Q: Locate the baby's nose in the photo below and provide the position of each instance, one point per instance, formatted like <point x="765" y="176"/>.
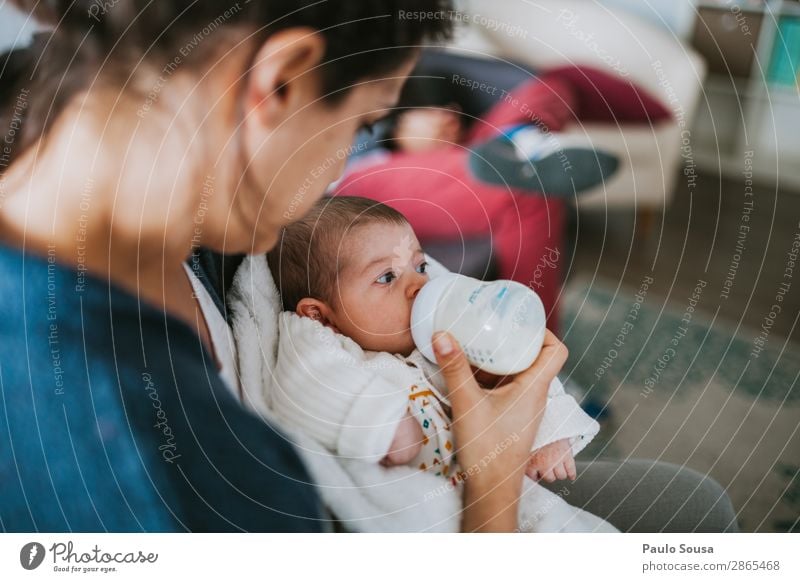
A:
<point x="418" y="283"/>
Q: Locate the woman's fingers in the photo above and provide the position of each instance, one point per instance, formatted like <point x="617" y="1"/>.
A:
<point x="454" y="368"/>
<point x="547" y="366"/>
<point x="560" y="471"/>
<point x="553" y="355"/>
<point x="556" y="352"/>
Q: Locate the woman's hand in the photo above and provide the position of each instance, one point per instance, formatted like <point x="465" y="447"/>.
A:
<point x="494" y="430"/>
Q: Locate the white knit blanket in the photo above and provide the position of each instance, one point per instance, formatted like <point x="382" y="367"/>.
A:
<point x="364" y="495"/>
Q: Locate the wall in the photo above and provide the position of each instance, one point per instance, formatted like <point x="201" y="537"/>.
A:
<point x="14" y="27"/>
<point x="676" y="15"/>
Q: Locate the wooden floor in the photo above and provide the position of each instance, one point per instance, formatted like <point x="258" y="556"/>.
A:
<point x="699" y="237"/>
<point x="737" y="429"/>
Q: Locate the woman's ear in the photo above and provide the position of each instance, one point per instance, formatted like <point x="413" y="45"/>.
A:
<point x="283" y="79"/>
<point x="316" y="310"/>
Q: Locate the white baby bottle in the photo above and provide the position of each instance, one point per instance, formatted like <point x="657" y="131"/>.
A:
<point x="500" y="325"/>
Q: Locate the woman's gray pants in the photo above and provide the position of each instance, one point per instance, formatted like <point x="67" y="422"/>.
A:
<point x="649" y="496"/>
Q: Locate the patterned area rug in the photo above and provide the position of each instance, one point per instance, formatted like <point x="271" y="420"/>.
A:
<point x="673" y="384"/>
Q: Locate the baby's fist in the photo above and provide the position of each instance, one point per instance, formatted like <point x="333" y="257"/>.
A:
<point x="552" y="462"/>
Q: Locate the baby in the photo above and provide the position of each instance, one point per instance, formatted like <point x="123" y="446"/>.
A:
<point x="518" y="153"/>
<point x="348" y="370"/>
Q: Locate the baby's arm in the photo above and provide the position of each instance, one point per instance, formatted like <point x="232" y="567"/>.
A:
<point x="407" y="442"/>
<point x="564" y="419"/>
<point x="564" y="431"/>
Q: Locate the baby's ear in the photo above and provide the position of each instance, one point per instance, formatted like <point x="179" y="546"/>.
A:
<point x="314" y="309"/>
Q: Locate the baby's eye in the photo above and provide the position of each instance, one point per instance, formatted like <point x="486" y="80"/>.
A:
<point x="423" y="267"/>
<point x="386" y="278"/>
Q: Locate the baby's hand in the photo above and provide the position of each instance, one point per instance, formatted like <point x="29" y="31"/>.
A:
<point x="407" y="442"/>
<point x="552" y="462"/>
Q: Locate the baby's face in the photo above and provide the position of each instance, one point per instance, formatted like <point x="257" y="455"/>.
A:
<point x="384" y="270"/>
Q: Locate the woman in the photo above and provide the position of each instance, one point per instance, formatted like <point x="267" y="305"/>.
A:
<point x="135" y="133"/>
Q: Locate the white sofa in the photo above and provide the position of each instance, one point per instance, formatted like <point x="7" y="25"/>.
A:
<point x="548" y="33"/>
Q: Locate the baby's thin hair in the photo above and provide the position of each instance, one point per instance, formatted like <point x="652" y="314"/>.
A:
<point x="306" y="261"/>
